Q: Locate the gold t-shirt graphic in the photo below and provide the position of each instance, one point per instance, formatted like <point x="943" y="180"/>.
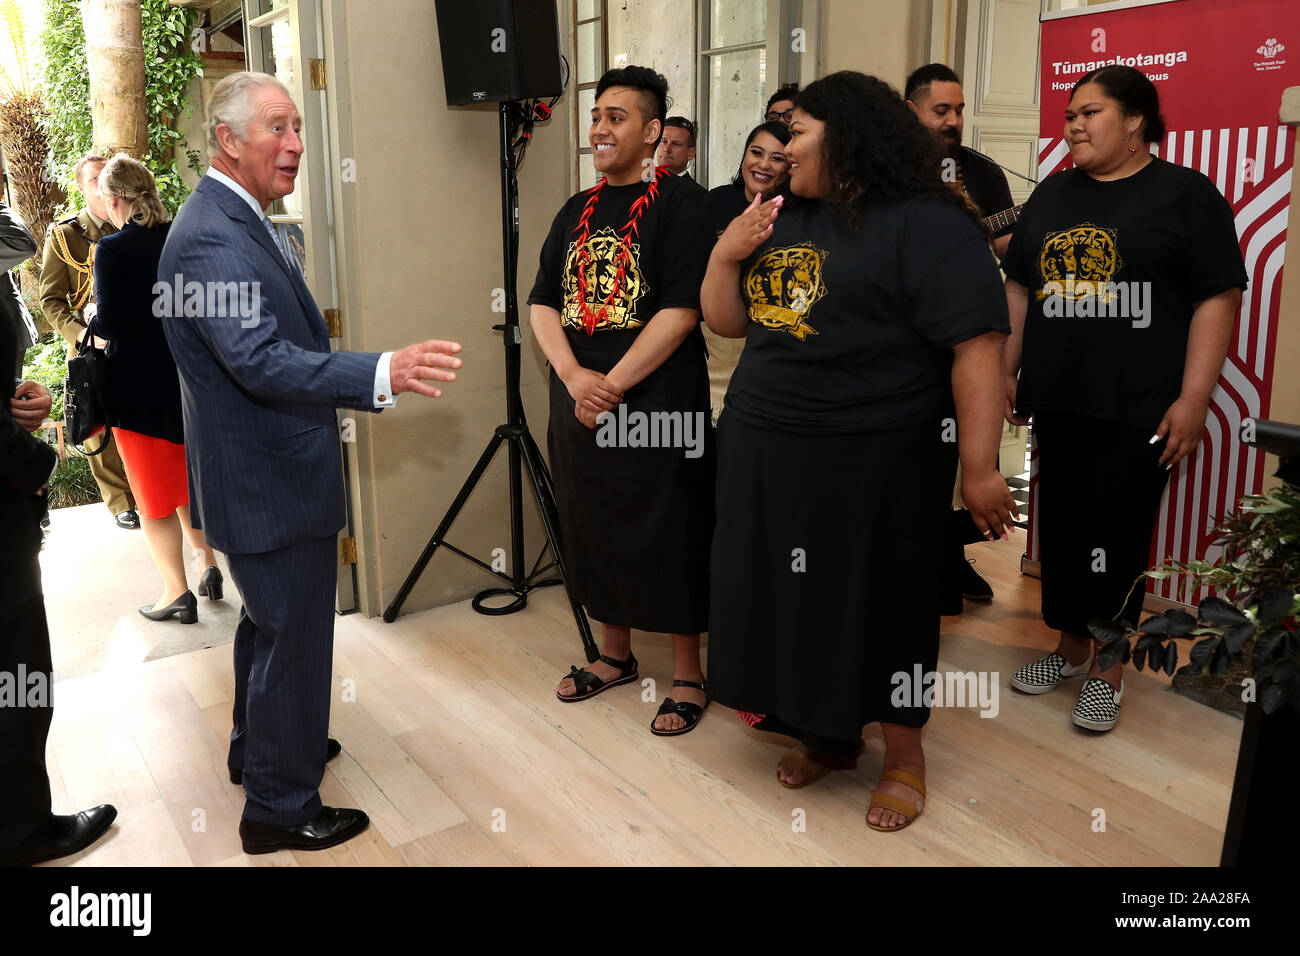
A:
<point x="783" y="285"/>
<point x="602" y="272"/>
<point x="1082" y="261"/>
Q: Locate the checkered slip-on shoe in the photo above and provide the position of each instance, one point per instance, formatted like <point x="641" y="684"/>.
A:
<point x="1098" y="706"/>
<point x="1048" y="673"/>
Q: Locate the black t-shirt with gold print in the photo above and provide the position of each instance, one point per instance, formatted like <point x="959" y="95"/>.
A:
<point x="670" y="253"/>
<point x="1114" y="271"/>
<point x="852" y="330"/>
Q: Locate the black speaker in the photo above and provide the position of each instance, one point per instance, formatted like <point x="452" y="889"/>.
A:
<point x="499" y="50"/>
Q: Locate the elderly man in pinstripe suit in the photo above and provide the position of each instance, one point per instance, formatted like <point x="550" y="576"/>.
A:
<point x="259" y="387"/>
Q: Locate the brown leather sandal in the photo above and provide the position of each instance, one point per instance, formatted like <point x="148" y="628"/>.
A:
<point x="812" y="767"/>
<point x="886" y="801"/>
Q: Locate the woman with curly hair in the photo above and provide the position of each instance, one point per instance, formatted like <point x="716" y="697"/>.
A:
<point x="873" y="318"/>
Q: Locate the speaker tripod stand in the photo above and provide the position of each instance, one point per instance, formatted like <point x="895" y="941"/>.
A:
<point x="523" y="453"/>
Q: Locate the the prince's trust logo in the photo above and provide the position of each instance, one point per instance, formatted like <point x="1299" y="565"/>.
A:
<point x="1078" y="266"/>
<point x="1271" y="51"/>
<point x="783" y="285"/>
<point x="1271" y="48"/>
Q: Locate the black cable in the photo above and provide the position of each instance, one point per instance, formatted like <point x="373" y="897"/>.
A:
<point x="1000" y="166"/>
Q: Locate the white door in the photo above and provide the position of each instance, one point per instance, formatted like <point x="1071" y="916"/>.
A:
<point x="283" y="37"/>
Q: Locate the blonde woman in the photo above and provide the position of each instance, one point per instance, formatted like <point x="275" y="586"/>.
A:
<point x="143" y="393"/>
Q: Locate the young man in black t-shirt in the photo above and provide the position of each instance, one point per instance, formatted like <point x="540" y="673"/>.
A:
<point x="934" y="93"/>
<point x="616" y="310"/>
<point x="935" y="96"/>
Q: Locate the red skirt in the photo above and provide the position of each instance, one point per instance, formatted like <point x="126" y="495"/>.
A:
<point x="155" y="469"/>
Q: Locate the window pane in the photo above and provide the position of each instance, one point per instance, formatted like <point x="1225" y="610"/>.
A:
<point x="616" y="18"/>
<point x="588" y="9"/>
<point x="586" y="172"/>
<point x="586" y="103"/>
<point x="737" y="85"/>
<point x="736" y="21"/>
<point x="278" y="44"/>
<point x="590" y="55"/>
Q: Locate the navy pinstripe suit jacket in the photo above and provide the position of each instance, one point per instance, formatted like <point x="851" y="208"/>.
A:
<point x="259" y="384"/>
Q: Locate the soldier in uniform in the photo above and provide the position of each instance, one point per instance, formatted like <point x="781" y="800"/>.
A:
<point x="67" y="287"/>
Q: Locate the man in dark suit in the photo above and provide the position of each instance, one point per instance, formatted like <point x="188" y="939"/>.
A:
<point x="259" y="389"/>
<point x="29" y="832"/>
<point x="677" y="147"/>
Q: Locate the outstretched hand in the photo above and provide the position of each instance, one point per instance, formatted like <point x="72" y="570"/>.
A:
<point x="749" y="230"/>
<point x="412" y="368"/>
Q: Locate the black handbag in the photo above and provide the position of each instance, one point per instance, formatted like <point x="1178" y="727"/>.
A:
<point x="84" y="412"/>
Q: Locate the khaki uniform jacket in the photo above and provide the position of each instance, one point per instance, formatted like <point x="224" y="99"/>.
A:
<point x="61" y="281"/>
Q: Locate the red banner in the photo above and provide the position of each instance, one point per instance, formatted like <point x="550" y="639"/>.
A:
<point x="1220" y="69"/>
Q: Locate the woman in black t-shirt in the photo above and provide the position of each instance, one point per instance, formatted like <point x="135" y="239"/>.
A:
<point x="825" y="583"/>
<point x="1123" y="279"/>
<point x="764" y="171"/>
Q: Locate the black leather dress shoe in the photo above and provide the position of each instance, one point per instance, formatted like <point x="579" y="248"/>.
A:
<point x="67" y="835"/>
<point x="332" y="749"/>
<point x="128" y="519"/>
<point x="331" y="827"/>
<point x="974" y="587"/>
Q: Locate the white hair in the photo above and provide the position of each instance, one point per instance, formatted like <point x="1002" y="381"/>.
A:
<point x="232" y="104"/>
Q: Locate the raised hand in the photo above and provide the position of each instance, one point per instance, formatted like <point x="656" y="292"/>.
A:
<point x="749" y="230"/>
<point x="412" y="368"/>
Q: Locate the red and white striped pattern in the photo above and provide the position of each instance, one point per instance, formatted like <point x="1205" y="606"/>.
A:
<point x="1252" y="168"/>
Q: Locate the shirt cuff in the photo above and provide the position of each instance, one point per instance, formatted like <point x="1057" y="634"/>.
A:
<point x="383" y="395"/>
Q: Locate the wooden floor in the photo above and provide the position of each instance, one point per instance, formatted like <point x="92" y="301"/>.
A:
<point x="454" y="744"/>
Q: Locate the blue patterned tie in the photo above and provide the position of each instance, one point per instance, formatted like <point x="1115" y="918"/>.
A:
<point x="290" y="261"/>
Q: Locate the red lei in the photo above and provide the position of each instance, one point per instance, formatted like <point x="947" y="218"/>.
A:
<point x="591" y="319"/>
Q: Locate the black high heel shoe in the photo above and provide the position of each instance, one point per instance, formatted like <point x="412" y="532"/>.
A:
<point x="210" y="584"/>
<point x="187" y="606"/>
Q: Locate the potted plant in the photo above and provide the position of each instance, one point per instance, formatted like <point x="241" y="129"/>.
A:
<point x="1259" y="572"/>
<point x="1258" y="576"/>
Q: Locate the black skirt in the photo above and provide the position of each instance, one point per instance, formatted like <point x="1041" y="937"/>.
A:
<point x="826" y="575"/>
<point x="636" y="520"/>
<point x="1100" y="484"/>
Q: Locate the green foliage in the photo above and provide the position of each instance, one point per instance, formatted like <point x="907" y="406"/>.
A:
<point x="73" y="484"/>
<point x="1259" y="571"/>
<point x="170" y="63"/>
<point x="66" y="83"/>
<point x="47" y="363"/>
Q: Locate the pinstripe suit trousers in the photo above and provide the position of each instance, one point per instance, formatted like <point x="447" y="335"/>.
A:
<point x="284" y="652"/>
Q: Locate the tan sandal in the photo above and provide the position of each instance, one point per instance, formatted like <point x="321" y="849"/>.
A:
<point x="886" y="801"/>
<point x="810" y="769"/>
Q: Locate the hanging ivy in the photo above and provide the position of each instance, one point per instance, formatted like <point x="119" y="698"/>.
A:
<point x="170" y="63"/>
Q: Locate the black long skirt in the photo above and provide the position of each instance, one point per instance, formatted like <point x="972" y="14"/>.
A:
<point x="1099" y="490"/>
<point x="826" y="576"/>
<point x="636" y="521"/>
